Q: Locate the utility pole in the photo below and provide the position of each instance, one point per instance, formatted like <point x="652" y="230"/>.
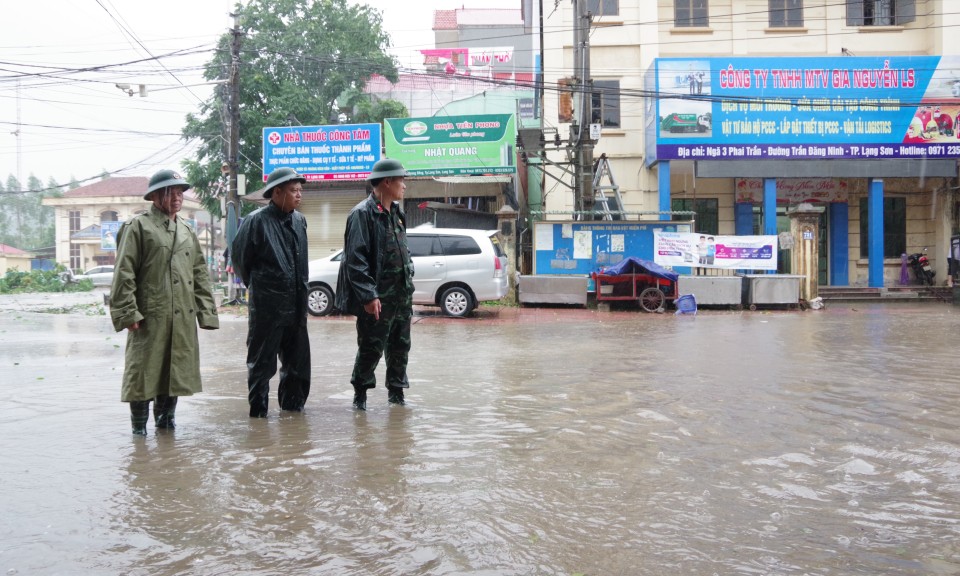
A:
<point x="233" y="144"/>
<point x="232" y="200"/>
<point x="580" y="130"/>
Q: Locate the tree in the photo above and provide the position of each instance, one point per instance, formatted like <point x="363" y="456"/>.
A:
<point x="296" y="58"/>
<point x="364" y="109"/>
<point x="4" y="215"/>
<point x="13" y="207"/>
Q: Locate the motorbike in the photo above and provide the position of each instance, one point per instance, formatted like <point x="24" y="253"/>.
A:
<point x="920" y="265"/>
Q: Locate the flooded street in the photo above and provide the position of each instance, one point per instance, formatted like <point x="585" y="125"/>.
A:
<point x="535" y="442"/>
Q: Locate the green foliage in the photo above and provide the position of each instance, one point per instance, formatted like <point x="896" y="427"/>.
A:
<point x="25" y="222"/>
<point x="296" y="58"/>
<point x="17" y="282"/>
<point x="376" y="111"/>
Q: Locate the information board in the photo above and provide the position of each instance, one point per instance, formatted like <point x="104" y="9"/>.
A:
<point x="581" y="248"/>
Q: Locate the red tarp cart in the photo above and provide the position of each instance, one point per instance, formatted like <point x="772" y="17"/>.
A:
<point x="642" y="281"/>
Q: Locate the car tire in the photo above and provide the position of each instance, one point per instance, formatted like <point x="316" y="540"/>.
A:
<point x="456" y="302"/>
<point x="319" y="301"/>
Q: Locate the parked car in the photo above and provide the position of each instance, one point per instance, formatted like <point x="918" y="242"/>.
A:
<point x="455" y="269"/>
<point x="323" y="283"/>
<point x="99" y="275"/>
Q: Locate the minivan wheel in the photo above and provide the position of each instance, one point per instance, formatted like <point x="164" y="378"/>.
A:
<point x="319" y="301"/>
<point x="456" y="302"/>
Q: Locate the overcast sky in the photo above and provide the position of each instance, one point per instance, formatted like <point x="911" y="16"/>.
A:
<point x="79" y="125"/>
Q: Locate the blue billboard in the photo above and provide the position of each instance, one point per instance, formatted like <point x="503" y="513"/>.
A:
<point x="803" y="108"/>
<point x="336" y="152"/>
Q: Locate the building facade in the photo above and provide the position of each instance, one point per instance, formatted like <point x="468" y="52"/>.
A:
<point x="86" y="216"/>
<point x="915" y="198"/>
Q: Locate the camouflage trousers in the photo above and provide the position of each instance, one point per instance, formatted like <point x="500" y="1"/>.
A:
<point x="389" y="336"/>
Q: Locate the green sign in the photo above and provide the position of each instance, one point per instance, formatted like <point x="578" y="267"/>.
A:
<point x="453" y="145"/>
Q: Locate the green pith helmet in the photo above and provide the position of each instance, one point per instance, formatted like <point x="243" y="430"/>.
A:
<point x="278" y="177"/>
<point x="165" y="178"/>
<point x="386" y="168"/>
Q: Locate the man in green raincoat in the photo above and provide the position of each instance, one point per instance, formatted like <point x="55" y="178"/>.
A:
<point x="161" y="291"/>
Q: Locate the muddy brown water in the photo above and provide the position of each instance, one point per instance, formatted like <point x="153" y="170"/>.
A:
<point x="552" y="442"/>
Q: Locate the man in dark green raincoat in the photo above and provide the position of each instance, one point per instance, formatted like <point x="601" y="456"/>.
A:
<point x="376" y="283"/>
<point x="160" y="292"/>
<point x="270" y="256"/>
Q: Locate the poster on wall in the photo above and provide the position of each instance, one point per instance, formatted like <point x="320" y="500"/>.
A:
<point x="453" y="145"/>
<point x="108" y="235"/>
<point x="806" y="107"/>
<point x="713" y="251"/>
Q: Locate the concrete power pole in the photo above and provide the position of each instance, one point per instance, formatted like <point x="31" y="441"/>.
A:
<point x="580" y="130"/>
<point x="233" y="144"/>
<point x="232" y="200"/>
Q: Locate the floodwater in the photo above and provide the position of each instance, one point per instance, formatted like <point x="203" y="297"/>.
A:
<point x="538" y="442"/>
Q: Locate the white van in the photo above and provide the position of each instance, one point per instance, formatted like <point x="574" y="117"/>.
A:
<point x="455" y="269"/>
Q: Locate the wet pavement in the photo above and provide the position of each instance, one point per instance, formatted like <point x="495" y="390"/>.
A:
<point x="536" y="441"/>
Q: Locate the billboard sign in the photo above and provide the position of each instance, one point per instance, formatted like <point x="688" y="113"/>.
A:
<point x="335" y="152"/>
<point x="453" y="145"/>
<point x="806" y="108"/>
<point x="712" y="251"/>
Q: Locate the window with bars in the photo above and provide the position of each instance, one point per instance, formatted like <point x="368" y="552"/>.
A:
<point x="786" y="13"/>
<point x="881" y="12"/>
<point x="74" y="226"/>
<point x="707" y="212"/>
<point x="894" y="227"/>
<point x="605" y="103"/>
<point x="690" y="13"/>
<point x="604" y="7"/>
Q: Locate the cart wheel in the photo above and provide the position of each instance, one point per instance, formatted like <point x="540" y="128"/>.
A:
<point x="753" y="307"/>
<point x="652" y="299"/>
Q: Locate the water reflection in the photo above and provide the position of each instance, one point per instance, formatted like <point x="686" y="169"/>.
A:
<point x="786" y="443"/>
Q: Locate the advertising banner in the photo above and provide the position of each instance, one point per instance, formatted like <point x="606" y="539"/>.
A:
<point x="800" y="108"/>
<point x="453" y="145"/>
<point x="712" y="251"/>
<point x="335" y="152"/>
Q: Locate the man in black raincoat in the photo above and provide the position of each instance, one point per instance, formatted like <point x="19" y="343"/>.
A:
<point x="270" y="255"/>
<point x="376" y="283"/>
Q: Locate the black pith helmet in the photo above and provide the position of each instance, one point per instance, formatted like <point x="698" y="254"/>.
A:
<point x="162" y="179"/>
<point x="278" y="177"/>
<point x="386" y="168"/>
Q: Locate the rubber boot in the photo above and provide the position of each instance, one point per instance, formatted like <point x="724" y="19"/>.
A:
<point x="139" y="414"/>
<point x="164" y="410"/>
<point x="360" y="398"/>
<point x="395" y="395"/>
<point x="259" y="398"/>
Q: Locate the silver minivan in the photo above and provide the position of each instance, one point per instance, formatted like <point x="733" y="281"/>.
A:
<point x="455" y="269"/>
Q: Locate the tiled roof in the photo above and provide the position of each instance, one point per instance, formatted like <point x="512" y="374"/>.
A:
<point x="11" y="251"/>
<point x="444" y="19"/>
<point x="114" y="186"/>
<point x="117" y="186"/>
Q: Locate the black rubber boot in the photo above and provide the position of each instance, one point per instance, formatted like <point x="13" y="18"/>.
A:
<point x="164" y="410"/>
<point x="259" y="398"/>
<point x="395" y="396"/>
<point x="139" y="414"/>
<point x="360" y="398"/>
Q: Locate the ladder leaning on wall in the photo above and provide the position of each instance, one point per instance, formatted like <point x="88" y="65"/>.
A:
<point x="609" y="207"/>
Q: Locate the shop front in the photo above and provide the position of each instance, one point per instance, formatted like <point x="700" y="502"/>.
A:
<point x="871" y="141"/>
